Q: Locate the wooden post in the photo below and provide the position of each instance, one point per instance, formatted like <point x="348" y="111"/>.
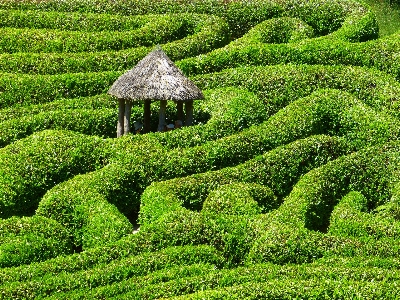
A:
<point x="146" y="116"/>
<point x="121" y="112"/>
<point x="127" y="117"/>
<point x="189" y="113"/>
<point x="179" y="109"/>
<point x="161" y="121"/>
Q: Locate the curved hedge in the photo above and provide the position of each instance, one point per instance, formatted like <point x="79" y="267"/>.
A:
<point x="26" y="240"/>
<point x="286" y="185"/>
<point x="29" y="167"/>
<point x="77" y="21"/>
<point x="126" y="268"/>
<point x="350" y="218"/>
<point x="158" y="30"/>
<point x="194" y="34"/>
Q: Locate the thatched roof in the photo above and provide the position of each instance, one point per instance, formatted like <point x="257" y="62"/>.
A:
<point x="155" y="77"/>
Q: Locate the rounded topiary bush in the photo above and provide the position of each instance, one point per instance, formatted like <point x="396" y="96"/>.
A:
<point x="240" y="199"/>
<point x="282" y="244"/>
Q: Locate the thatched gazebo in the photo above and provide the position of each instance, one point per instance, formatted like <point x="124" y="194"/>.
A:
<point x="155" y="77"/>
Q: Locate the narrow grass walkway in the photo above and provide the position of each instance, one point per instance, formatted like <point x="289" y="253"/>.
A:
<point x="388" y="15"/>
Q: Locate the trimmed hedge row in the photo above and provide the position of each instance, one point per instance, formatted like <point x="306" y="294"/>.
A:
<point x="159" y="30"/>
<point x="102" y="101"/>
<point x="77" y="21"/>
<point x="26" y="240"/>
<point x="380" y="54"/>
<point x="326" y="111"/>
<point x="151" y="287"/>
<point x="207" y="33"/>
<point x="29" y="167"/>
<point x="98" y="122"/>
<point x="281" y="84"/>
<point x="118" y="288"/>
<point x="316" y="288"/>
<point x="276" y="31"/>
<point x="217" y="279"/>
<point x="135" y="172"/>
<point x="240" y="199"/>
<point x="130" y="245"/>
<point x="369" y="171"/>
<point x="267" y="273"/>
<point x="118" y="270"/>
<point x="23" y="90"/>
<point x="325" y="17"/>
<point x="350" y="218"/>
<point x="278" y="84"/>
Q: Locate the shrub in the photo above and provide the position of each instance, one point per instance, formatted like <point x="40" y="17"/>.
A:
<point x="350" y="218"/>
<point x="239" y="199"/>
<point x="25" y="90"/>
<point x="77" y="21"/>
<point x="119" y="270"/>
<point x="313" y="198"/>
<point x="200" y="34"/>
<point x="27" y="240"/>
<point x="159" y="30"/>
<point x="282" y="244"/>
<point x="29" y="167"/>
<point x="324" y="111"/>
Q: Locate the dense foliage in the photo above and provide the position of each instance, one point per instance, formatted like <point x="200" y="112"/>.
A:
<point x="287" y="186"/>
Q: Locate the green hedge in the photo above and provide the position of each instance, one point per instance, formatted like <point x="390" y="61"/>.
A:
<point x="276" y="31"/>
<point x="350" y="218"/>
<point x="27" y="240"/>
<point x="92" y="122"/>
<point x="124" y="286"/>
<point x="119" y="270"/>
<point x="102" y="101"/>
<point x="122" y="182"/>
<point x="368" y="171"/>
<point x="278" y="83"/>
<point x="281" y="84"/>
<point x="240" y="199"/>
<point x="77" y="21"/>
<point x="204" y="282"/>
<point x="325" y="17"/>
<point x="326" y="111"/>
<point x="23" y="90"/>
<point x="29" y="167"/>
<point x="270" y="277"/>
<point x="159" y="30"/>
<point x="316" y="288"/>
<point x="207" y="33"/>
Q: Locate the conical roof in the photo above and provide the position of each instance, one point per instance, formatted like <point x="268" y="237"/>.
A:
<point x="155" y="77"/>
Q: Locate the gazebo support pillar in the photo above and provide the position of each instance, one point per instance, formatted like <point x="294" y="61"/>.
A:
<point x="189" y="113"/>
<point x="127" y="117"/>
<point x="161" y="121"/>
<point x="179" y="109"/>
<point x="146" y="116"/>
<point x="121" y="113"/>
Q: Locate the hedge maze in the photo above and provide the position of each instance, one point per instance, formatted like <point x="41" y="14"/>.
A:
<point x="287" y="186"/>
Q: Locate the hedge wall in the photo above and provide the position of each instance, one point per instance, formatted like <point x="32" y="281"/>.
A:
<point x="29" y="167"/>
<point x="287" y="185"/>
<point x="26" y="240"/>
